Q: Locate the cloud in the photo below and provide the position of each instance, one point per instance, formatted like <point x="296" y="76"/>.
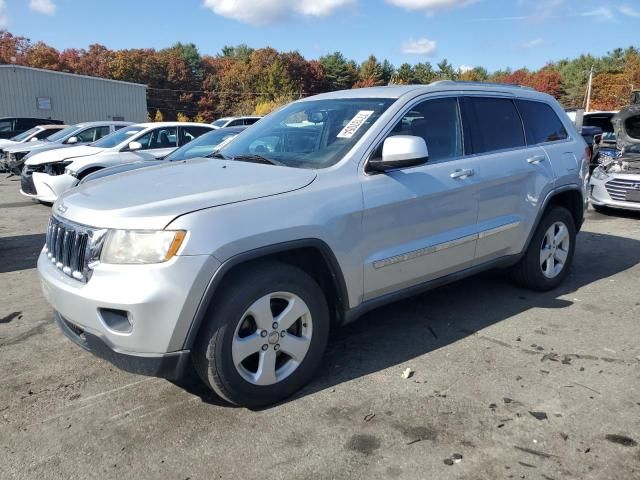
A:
<point x="536" y="42"/>
<point x="465" y="68"/>
<point x="4" y="20"/>
<point x="431" y="6"/>
<point x="265" y="12"/>
<point x="46" y="7"/>
<point x="421" y="46"/>
<point x="602" y="13"/>
<point x="629" y="11"/>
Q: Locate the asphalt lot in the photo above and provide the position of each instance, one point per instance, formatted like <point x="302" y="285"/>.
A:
<point x="485" y="354"/>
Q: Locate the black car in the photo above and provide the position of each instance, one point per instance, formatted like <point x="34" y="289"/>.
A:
<point x="12" y="126"/>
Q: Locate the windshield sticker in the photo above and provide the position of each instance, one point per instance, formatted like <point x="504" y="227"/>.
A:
<point x="355" y="123"/>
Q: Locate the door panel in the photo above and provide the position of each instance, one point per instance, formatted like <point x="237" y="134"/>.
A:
<point x="419" y="224"/>
<point x="511" y="185"/>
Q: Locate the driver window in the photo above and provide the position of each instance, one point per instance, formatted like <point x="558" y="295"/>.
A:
<point x="438" y="122"/>
<point x="159" y="138"/>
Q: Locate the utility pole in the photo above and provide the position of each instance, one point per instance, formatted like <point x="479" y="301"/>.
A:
<point x="589" y="90"/>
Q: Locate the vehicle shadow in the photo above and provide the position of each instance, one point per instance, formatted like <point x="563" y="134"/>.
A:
<point x="399" y="332"/>
<point x="20" y="252"/>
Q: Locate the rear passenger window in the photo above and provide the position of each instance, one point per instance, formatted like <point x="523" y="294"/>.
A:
<point x="492" y="124"/>
<point x="540" y="122"/>
<point x="438" y="122"/>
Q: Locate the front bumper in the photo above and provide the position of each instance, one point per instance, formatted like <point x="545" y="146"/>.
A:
<point x="47" y="188"/>
<point x="158" y="303"/>
<point x="601" y="196"/>
<point x="168" y="365"/>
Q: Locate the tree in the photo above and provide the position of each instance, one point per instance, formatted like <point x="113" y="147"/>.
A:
<point x="13" y="49"/>
<point x="340" y="74"/>
<point x="371" y="73"/>
<point x="190" y="55"/>
<point x="404" y="75"/>
<point x="158" y="117"/>
<point x="547" y="80"/>
<point x="423" y="73"/>
<point x="446" y="71"/>
<point x="42" y="55"/>
<point x="239" y="53"/>
<point x="477" y="74"/>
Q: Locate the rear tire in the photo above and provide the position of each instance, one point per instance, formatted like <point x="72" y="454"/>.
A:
<point x="265" y="335"/>
<point x="548" y="258"/>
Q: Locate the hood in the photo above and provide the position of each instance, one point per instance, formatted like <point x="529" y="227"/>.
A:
<point x="619" y="121"/>
<point x="6" y="143"/>
<point x="125" y="167"/>
<point x="25" y="146"/>
<point x="59" y="154"/>
<point x="150" y="198"/>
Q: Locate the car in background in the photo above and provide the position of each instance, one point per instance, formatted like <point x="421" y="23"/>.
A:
<point x="235" y="121"/>
<point x="48" y="174"/>
<point x="78" y="134"/>
<point x="200" y="147"/>
<point x="12" y="126"/>
<point x="615" y="183"/>
<point x="604" y="148"/>
<point x="32" y="135"/>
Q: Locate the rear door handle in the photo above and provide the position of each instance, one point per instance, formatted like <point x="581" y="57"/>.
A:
<point x="463" y="173"/>
<point x="536" y="159"/>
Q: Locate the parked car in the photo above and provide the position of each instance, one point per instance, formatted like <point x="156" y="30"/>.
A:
<point x="615" y="184"/>
<point x="329" y="207"/>
<point x="32" y="135"/>
<point x="12" y="126"/>
<point x="48" y="174"/>
<point x="202" y="146"/>
<point x="79" y="134"/>
<point x="235" y="121"/>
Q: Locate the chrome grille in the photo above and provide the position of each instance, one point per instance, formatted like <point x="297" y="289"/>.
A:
<point x="70" y="247"/>
<point x="618" y="188"/>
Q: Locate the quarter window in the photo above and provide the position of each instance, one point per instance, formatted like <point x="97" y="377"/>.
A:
<point x="540" y="122"/>
<point x="438" y="122"/>
<point x="492" y="123"/>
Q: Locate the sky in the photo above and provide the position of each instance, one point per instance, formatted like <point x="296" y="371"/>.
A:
<point x="492" y="33"/>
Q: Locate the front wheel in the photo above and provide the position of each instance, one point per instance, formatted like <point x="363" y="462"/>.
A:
<point x="548" y="258"/>
<point x="265" y="335"/>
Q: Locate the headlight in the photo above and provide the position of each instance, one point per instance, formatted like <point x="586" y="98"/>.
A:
<point x="599" y="174"/>
<point x="141" y="246"/>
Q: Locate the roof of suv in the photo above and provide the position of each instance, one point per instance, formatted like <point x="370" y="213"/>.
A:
<point x="397" y="91"/>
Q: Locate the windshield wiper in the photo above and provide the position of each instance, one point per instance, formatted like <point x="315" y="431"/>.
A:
<point x="255" y="159"/>
<point x="217" y="154"/>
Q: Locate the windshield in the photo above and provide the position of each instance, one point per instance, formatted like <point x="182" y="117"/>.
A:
<point x="62" y="134"/>
<point x="201" y="146"/>
<point x="309" y="134"/>
<point x="220" y="122"/>
<point x="116" y="138"/>
<point x="27" y="134"/>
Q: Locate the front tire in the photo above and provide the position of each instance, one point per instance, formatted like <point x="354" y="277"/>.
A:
<point x="265" y="335"/>
<point x="548" y="258"/>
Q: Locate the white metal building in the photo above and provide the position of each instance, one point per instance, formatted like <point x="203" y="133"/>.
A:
<point x="32" y="92"/>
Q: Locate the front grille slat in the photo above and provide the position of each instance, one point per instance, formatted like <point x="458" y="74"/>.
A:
<point x="619" y="187"/>
<point x="67" y="246"/>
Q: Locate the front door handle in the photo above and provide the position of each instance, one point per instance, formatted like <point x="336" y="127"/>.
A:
<point x="463" y="173"/>
<point x="536" y="159"/>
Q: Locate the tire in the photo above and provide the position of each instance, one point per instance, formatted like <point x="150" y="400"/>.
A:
<point x="234" y="324"/>
<point x="531" y="272"/>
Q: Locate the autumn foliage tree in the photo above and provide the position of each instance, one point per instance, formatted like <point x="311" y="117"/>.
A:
<point x="182" y="83"/>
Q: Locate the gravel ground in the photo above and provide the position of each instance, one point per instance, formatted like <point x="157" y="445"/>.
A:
<point x="507" y="384"/>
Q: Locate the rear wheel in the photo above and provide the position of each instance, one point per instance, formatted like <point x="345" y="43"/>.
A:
<point x="548" y="258"/>
<point x="265" y="335"/>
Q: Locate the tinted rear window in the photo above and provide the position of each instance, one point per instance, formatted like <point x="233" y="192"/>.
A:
<point x="492" y="124"/>
<point x="540" y="122"/>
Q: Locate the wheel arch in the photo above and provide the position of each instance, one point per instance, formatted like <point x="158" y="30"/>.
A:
<point x="311" y="255"/>
<point x="569" y="197"/>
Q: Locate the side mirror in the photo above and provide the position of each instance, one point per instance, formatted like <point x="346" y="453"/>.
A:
<point x="401" y="151"/>
<point x="133" y="146"/>
<point x="72" y="140"/>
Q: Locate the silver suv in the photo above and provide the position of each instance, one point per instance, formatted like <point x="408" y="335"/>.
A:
<point x="240" y="263"/>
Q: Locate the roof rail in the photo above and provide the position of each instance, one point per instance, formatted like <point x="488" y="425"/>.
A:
<point x="494" y="84"/>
